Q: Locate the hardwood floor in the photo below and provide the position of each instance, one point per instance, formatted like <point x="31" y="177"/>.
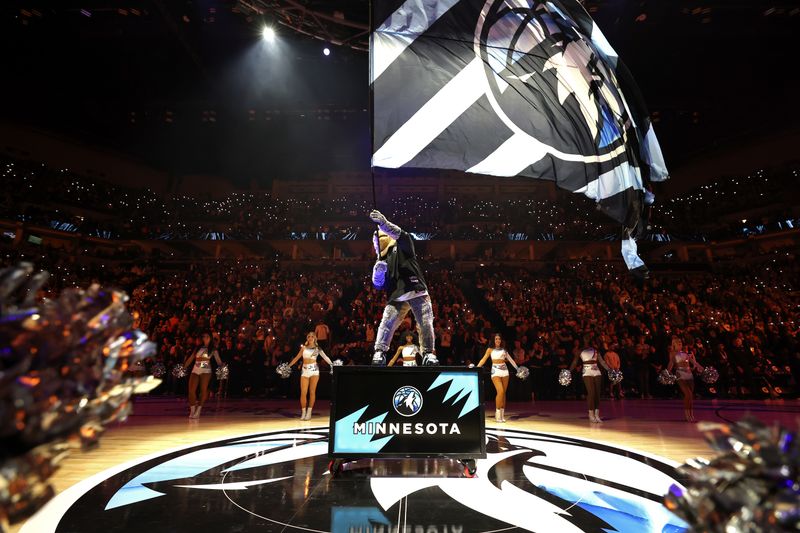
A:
<point x="651" y="426"/>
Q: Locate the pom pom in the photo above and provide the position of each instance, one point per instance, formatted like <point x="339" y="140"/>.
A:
<point x="615" y="375"/>
<point x="338" y="362"/>
<point x="223" y="372"/>
<point x="709" y="375"/>
<point x="666" y="378"/>
<point x="751" y="485"/>
<point x="178" y="371"/>
<point x="158" y="370"/>
<point x="565" y="377"/>
<point x="79" y="347"/>
<point x="284" y="370"/>
<point x="523" y="372"/>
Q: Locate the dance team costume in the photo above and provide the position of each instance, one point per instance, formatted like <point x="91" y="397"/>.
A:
<point x="200" y="375"/>
<point x="592" y="378"/>
<point x="500" y="376"/>
<point x="309" y="377"/>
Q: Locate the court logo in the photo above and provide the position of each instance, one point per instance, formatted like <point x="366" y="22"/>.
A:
<point x="407" y="401"/>
<point x="529" y="481"/>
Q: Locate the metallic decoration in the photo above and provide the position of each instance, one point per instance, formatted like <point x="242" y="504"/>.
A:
<point x="710" y="375"/>
<point x="615" y="375"/>
<point x="178" y="371"/>
<point x="523" y="372"/>
<point x="223" y="372"/>
<point x="667" y="378"/>
<point x="338" y="362"/>
<point x="751" y="485"/>
<point x="284" y="370"/>
<point x="65" y="373"/>
<point x="565" y="377"/>
<point x="158" y="370"/>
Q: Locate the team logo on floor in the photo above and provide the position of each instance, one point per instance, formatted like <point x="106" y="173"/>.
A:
<point x="407" y="401"/>
<point x="279" y="481"/>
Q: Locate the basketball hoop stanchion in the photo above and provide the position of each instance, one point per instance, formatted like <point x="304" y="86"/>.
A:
<point x="406" y="412"/>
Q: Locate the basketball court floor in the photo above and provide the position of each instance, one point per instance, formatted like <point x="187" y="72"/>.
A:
<point x="253" y="465"/>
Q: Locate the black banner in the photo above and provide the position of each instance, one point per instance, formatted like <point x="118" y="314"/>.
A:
<point x="407" y="412"/>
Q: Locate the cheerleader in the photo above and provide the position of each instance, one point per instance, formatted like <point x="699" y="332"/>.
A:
<point x="589" y="358"/>
<point x="409" y="352"/>
<point x="499" y="357"/>
<point x="310" y="375"/>
<point x="684" y="363"/>
<point x="201" y="374"/>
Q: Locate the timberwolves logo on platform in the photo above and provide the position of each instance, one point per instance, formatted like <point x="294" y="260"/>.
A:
<point x="407" y="401"/>
<point x="279" y="481"/>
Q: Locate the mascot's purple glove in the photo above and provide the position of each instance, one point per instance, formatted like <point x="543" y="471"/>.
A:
<point x="379" y="273"/>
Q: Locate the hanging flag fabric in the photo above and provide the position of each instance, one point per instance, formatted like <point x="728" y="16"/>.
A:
<point x="510" y="88"/>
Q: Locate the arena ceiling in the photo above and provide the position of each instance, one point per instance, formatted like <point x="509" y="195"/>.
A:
<point x="185" y="85"/>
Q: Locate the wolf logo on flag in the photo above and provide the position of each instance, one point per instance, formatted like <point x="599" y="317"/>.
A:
<point x="512" y="88"/>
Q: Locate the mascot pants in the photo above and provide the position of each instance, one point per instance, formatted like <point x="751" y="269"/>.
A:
<point x="393" y="315"/>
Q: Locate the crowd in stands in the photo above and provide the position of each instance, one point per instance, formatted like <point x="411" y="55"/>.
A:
<point x="744" y="322"/>
<point x="69" y="202"/>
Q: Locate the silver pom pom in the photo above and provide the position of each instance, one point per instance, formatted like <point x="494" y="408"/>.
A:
<point x="523" y="372"/>
<point x="284" y="370"/>
<point x="666" y="378"/>
<point x="158" y="370"/>
<point x="338" y="362"/>
<point x="709" y="375"/>
<point x="178" y="371"/>
<point x="751" y="485"/>
<point x="223" y="372"/>
<point x="615" y="375"/>
<point x="565" y="377"/>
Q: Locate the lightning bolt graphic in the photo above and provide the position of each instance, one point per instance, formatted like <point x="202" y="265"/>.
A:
<point x="465" y="384"/>
<point x="345" y="441"/>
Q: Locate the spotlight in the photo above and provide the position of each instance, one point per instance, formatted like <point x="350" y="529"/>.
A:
<point x="268" y="33"/>
<point x="326" y="51"/>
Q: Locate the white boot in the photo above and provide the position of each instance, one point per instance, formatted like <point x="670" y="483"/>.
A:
<point x="503" y="414"/>
<point x="303" y="413"/>
<point x="497" y="417"/>
<point x="192" y="409"/>
<point x="592" y="419"/>
<point x="597" y="416"/>
<point x="308" y="413"/>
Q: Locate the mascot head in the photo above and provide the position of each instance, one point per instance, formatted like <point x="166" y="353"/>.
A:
<point x="382" y="242"/>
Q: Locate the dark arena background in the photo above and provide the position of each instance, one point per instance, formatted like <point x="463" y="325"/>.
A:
<point x="215" y="167"/>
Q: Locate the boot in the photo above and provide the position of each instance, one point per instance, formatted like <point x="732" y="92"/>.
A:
<point x="308" y="413"/>
<point x="197" y="411"/>
<point x="597" y="418"/>
<point x="497" y="417"/>
<point x="303" y="413"/>
<point x="192" y="409"/>
<point x="503" y="414"/>
<point x="379" y="358"/>
<point x="592" y="419"/>
<point x="429" y="359"/>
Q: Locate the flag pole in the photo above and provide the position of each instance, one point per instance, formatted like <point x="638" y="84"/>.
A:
<point x="371" y="113"/>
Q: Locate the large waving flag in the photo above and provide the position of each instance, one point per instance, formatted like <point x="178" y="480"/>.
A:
<point x="511" y="88"/>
